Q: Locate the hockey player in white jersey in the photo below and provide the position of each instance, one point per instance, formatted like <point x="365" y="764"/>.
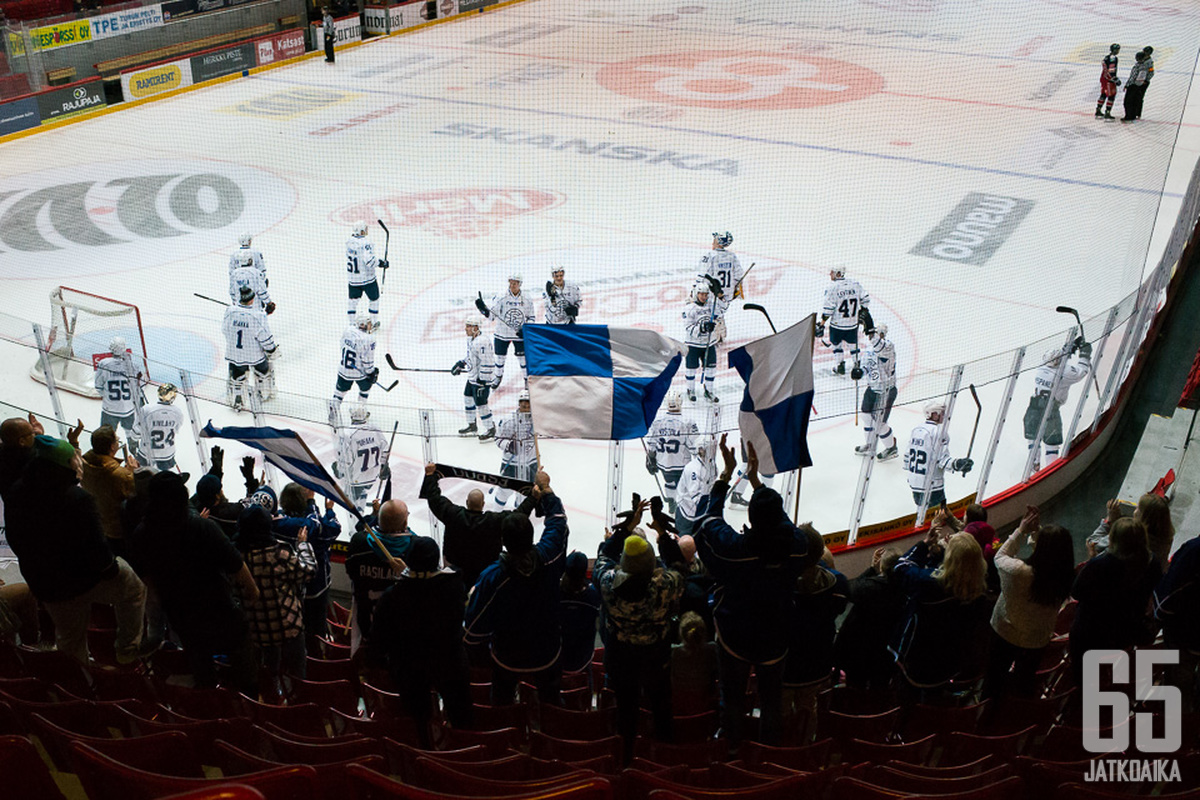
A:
<point x="360" y="273"/>
<point x="356" y="364"/>
<point x="669" y="444"/>
<point x="696" y="482"/>
<point x="1046" y="393"/>
<point x="518" y="449"/>
<point x="845" y="300"/>
<point x="511" y="310"/>
<point x="119" y="385"/>
<point x="928" y="457"/>
<point x="244" y="248"/>
<point x="878" y="365"/>
<point x="246" y="274"/>
<point x="478" y="366"/>
<point x="562" y="298"/>
<point x="248" y="343"/>
<point x="163" y="423"/>
<point x="723" y="267"/>
<point x="704" y="329"/>
<point x="362" y="457"/>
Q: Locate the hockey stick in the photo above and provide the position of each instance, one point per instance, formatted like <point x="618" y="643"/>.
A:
<point x="1079" y="322"/>
<point x="211" y="299"/>
<point x="763" y="311"/>
<point x="978" y="413"/>
<point x="391" y="363"/>
<point x="646" y="450"/>
<point x="387" y="240"/>
<point x="391" y="441"/>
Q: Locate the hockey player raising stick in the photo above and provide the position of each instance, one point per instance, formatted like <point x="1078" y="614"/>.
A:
<point x="118" y="385"/>
<point x="562" y="298"/>
<point x="927" y="459"/>
<point x="356" y="365"/>
<point x="704" y="328"/>
<point x="360" y="272"/>
<point x="362" y="458"/>
<point x="256" y="258"/>
<point x="1045" y="392"/>
<point x="163" y="422"/>
<point x="518" y="449"/>
<point x="879" y="366"/>
<point x="845" y="299"/>
<point x="510" y="310"/>
<point x="723" y="267"/>
<point x="478" y="366"/>
<point x="669" y="444"/>
<point x="248" y="343"/>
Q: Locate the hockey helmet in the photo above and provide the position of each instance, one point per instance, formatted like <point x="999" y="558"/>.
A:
<point x="1148" y="50"/>
<point x="246" y="296"/>
<point x="523" y="397"/>
<point x="723" y="239"/>
<point x="167" y="392"/>
<point x="245" y="239"/>
<point x="557" y="269"/>
<point x="881" y="332"/>
<point x="473" y="321"/>
<point x="674" y="401"/>
<point x="365" y="324"/>
<point x="244" y="260"/>
<point x="516" y="276"/>
<point x="934" y="407"/>
<point x="837" y="273"/>
<point x="699" y="288"/>
<point x="1051" y="356"/>
<point x="360" y="228"/>
<point x="117" y="346"/>
<point x="1114" y="48"/>
<point x="359" y="415"/>
<point x="705" y="447"/>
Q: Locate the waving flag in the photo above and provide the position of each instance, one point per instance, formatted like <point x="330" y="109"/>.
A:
<point x="778" y="397"/>
<point x="287" y="451"/>
<point x="597" y="382"/>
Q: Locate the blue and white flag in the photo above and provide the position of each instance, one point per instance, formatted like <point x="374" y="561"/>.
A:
<point x="597" y="382"/>
<point x="778" y="397"/>
<point x="287" y="451"/>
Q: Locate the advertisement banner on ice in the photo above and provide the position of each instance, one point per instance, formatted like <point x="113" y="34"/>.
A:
<point x="280" y="46"/>
<point x="160" y="78"/>
<point x="346" y="30"/>
<point x="68" y="100"/>
<point x="128" y="21"/>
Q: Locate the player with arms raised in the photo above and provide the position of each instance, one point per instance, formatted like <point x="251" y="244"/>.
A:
<point x="845" y="300"/>
<point x="356" y="365"/>
<point x="511" y="310"/>
<point x="362" y="457"/>
<point x="669" y="444"/>
<point x="926" y="460"/>
<point x="562" y="299"/>
<point x="518" y="448"/>
<point x="1108" y="82"/>
<point x="704" y="329"/>
<point x="360" y="273"/>
<point x="248" y="343"/>
<point x="1046" y="393"/>
<point x="879" y="367"/>
<point x="118" y="384"/>
<point x="163" y="423"/>
<point x="478" y="365"/>
<point x="723" y="268"/>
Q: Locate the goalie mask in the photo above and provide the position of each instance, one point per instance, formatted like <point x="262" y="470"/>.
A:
<point x="167" y="392"/>
<point x="723" y="240"/>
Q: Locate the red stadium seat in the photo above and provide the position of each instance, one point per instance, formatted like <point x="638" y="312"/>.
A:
<point x="402" y="758"/>
<point x="638" y="785"/>
<point x="222" y="791"/>
<point x="331" y="777"/>
<point x="373" y="786"/>
<point x="306" y="719"/>
<point x="578" y="725"/>
<point x="916" y="784"/>
<point x="697" y="755"/>
<point x="854" y="789"/>
<point x="868" y="727"/>
<point x="438" y="776"/>
<point x="926" y="719"/>
<point x="918" y="752"/>
<point x="201" y="703"/>
<point x="960" y="771"/>
<point x="25" y="774"/>
<point x="573" y="750"/>
<point x="497" y="743"/>
<point x="289" y="751"/>
<point x="340" y="694"/>
<point x="806" y="758"/>
<point x="494" y="718"/>
<point x="961" y="748"/>
<point x="323" y="669"/>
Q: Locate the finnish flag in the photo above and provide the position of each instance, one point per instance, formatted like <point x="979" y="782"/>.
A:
<point x="778" y="398"/>
<point x="597" y="382"/>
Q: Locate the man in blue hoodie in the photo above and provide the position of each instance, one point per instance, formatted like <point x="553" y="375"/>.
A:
<point x="755" y="576"/>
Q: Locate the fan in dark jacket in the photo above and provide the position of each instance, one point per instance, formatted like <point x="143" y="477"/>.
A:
<point x="877" y="603"/>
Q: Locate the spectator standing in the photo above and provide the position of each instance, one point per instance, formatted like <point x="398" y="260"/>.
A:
<point x="53" y="527"/>
<point x="514" y="607"/>
<point x="820" y="598"/>
<point x="300" y="514"/>
<point x="210" y="497"/>
<point x="755" y="575"/>
<point x="370" y="573"/>
<point x="109" y="482"/>
<point x="876" y="605"/>
<point x="1154" y="512"/>
<point x="1175" y="602"/>
<point x="418" y="629"/>
<point x="695" y="668"/>
<point x="580" y="607"/>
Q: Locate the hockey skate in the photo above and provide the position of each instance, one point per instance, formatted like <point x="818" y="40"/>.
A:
<point x="863" y="450"/>
<point x="691" y="396"/>
<point x="889" y="454"/>
<point x="239" y="404"/>
<point x="840" y="369"/>
<point x="470" y="430"/>
<point x="1099" y="113"/>
<point x="710" y="397"/>
<point x="374" y="326"/>
<point x="1108" y="115"/>
<point x="488" y="435"/>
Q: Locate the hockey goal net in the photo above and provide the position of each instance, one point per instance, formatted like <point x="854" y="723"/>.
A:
<point x="82" y="326"/>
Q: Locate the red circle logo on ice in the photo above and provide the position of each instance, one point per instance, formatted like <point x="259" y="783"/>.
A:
<point x="453" y="213"/>
<point x="751" y="80"/>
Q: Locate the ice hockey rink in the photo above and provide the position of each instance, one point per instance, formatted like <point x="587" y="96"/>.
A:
<point x="613" y="137"/>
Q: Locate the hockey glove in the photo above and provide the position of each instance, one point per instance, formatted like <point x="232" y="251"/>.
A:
<point x="1116" y="81"/>
<point x="1085" y="350"/>
<point x="217" y="454"/>
<point x="482" y="306"/>
<point x="458" y="367"/>
<point x="651" y="463"/>
<point x="496" y="383"/>
<point x="856" y="373"/>
<point x="706" y="327"/>
<point x="374" y="375"/>
<point x="962" y="465"/>
<point x="571" y="311"/>
<point x="820" y="329"/>
<point x="715" y="286"/>
<point x="385" y="472"/>
<point x="383" y="263"/>
<point x="551" y="290"/>
<point x="247" y="471"/>
<point x="337" y="471"/>
<point x="270" y="308"/>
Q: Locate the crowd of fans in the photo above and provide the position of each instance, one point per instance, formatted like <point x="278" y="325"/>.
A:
<point x="684" y="620"/>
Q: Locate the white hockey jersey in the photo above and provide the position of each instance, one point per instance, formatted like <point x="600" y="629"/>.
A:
<point x="248" y="276"/>
<point x="1043" y="378"/>
<point x="843" y="300"/>
<point x="481" y="360"/>
<point x="248" y="339"/>
<point x="697" y="481"/>
<point x="360" y="261"/>
<point x="362" y="452"/>
<point x="163" y="422"/>
<point x="116" y="383"/>
<point x="725" y="267"/>
<point x="671" y="438"/>
<point x="568" y="295"/>
<point x="879" y="365"/>
<point x="254" y="254"/>
<point x="919" y="457"/>
<point x="514" y="437"/>
<point x="511" y="312"/>
<point x="694" y="317"/>
<point x="358" y="354"/>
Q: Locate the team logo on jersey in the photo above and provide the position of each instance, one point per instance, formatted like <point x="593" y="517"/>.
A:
<point x="138" y="214"/>
<point x="453" y="213"/>
<point x="751" y="80"/>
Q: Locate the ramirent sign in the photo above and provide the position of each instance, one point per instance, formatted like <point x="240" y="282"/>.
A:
<point x="975" y="229"/>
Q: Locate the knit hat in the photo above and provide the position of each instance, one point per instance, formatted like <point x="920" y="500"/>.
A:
<point x="577" y="564"/>
<point x="984" y="533"/>
<point x="57" y="451"/>
<point x="254" y="528"/>
<point x="423" y="555"/>
<point x="637" y="557"/>
<point x="264" y="496"/>
<point x="208" y="489"/>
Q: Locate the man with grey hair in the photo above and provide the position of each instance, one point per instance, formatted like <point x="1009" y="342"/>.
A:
<point x="370" y="573"/>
